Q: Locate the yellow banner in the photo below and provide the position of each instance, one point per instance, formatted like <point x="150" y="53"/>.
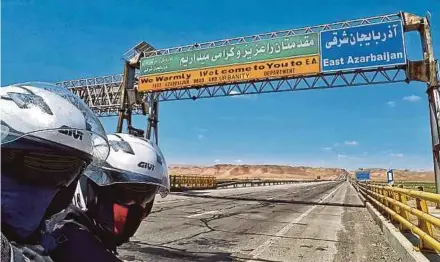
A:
<point x="231" y="74"/>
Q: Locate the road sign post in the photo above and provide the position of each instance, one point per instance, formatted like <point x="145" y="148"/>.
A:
<point x="390" y="177"/>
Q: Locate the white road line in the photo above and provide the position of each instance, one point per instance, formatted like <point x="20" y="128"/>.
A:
<point x="167" y="202"/>
<point x="204" y="213"/>
<point x="285" y="229"/>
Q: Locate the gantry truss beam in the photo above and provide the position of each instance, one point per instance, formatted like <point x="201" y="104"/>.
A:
<point x="102" y="94"/>
<point x="322" y="81"/>
<point x="116" y="94"/>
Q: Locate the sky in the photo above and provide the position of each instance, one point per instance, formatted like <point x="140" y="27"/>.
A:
<point x="366" y="126"/>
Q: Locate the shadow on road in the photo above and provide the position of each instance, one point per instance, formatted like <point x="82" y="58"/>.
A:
<point x="272" y="200"/>
<point x="164" y="253"/>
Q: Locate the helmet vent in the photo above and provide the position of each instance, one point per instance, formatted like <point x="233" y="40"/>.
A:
<point x="121" y="145"/>
<point x="50" y="163"/>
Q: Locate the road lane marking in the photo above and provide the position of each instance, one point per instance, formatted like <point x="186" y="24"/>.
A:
<point x="285" y="229"/>
<point x="168" y="202"/>
<point x="204" y="213"/>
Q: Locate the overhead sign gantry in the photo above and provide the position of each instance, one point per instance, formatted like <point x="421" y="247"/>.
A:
<point x="286" y="56"/>
<point x="348" y="53"/>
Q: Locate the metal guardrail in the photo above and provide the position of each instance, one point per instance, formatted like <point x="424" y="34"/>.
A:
<point x="188" y="182"/>
<point x="184" y="182"/>
<point x="394" y="203"/>
<point x="265" y="182"/>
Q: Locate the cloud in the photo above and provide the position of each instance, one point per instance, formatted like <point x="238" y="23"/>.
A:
<point x="217" y="161"/>
<point x="15" y="3"/>
<point x="200" y="130"/>
<point x="342" y="156"/>
<point x="412" y="98"/>
<point x="391" y="104"/>
<point x="238" y="161"/>
<point x="247" y="118"/>
<point x="228" y="118"/>
<point x="336" y="144"/>
<point x="397" y="155"/>
<point x="388" y="151"/>
<point x="327" y="149"/>
<point x="351" y="143"/>
<point x="239" y="95"/>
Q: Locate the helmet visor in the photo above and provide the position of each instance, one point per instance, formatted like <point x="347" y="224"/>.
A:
<point x="165" y="189"/>
<point x="87" y="136"/>
<point x="128" y="194"/>
<point x="107" y="176"/>
<point x="126" y="187"/>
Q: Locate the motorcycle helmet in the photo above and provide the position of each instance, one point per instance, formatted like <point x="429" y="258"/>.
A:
<point x="48" y="137"/>
<point x="120" y="194"/>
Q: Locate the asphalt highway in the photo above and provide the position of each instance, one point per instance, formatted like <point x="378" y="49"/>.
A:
<point x="320" y="221"/>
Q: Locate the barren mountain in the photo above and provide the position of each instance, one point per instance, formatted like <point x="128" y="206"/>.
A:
<point x="226" y="171"/>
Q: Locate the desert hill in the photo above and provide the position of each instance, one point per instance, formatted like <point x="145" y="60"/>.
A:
<point x="379" y="174"/>
<point x="227" y="171"/>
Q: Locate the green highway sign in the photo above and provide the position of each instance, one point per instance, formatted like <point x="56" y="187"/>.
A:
<point x="262" y="50"/>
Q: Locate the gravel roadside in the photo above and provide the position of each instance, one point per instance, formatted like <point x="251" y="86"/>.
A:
<point x="361" y="239"/>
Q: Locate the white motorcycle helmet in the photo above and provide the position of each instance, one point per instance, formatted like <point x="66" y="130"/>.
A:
<point x="48" y="134"/>
<point x="48" y="137"/>
<point x="120" y="194"/>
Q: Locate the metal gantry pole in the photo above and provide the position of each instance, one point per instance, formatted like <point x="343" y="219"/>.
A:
<point x="153" y="118"/>
<point x="150" y="112"/>
<point x="156" y="129"/>
<point x="427" y="71"/>
<point x="125" y="103"/>
<point x="123" y="99"/>
<point x="433" y="98"/>
<point x="433" y="117"/>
